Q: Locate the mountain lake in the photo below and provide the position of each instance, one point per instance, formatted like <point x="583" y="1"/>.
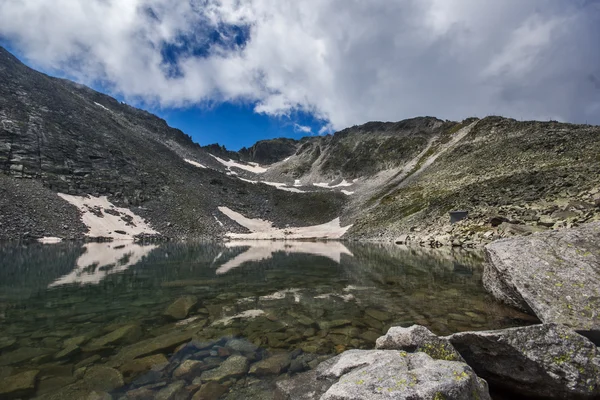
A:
<point x="159" y="320"/>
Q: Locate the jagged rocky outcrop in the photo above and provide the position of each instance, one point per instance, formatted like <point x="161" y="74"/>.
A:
<point x="554" y="275"/>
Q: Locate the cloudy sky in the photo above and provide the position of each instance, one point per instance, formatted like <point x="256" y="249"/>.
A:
<point x="239" y="70"/>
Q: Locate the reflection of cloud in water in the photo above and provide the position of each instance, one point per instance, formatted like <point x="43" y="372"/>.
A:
<point x="102" y="259"/>
<point x="263" y="250"/>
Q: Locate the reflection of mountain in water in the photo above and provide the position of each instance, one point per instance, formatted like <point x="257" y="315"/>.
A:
<point x="102" y="259"/>
<point x="264" y="250"/>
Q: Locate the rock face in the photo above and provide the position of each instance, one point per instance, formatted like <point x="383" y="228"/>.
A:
<point x="385" y="374"/>
<point x="547" y="361"/>
<point x="417" y="338"/>
<point x="554" y="275"/>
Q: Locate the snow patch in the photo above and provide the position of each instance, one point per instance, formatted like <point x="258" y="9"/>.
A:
<point x="280" y="295"/>
<point x="297" y="183"/>
<point x="218" y="222"/>
<point x="278" y="185"/>
<point x="50" y="240"/>
<point x="101" y="260"/>
<point x="100" y="105"/>
<point x="263" y="229"/>
<point x="194" y="163"/>
<point x="343" y="183"/>
<point x="253" y="167"/>
<point x="327" y="296"/>
<point x="347" y="192"/>
<point x="100" y="223"/>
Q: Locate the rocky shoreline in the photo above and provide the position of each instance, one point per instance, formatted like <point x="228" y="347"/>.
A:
<point x="554" y="276"/>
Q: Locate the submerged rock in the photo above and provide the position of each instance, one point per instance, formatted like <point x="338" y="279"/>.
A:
<point x="123" y="335"/>
<point x="17" y="386"/>
<point x="417" y="338"/>
<point x="160" y="344"/>
<point x="555" y="276"/>
<point x="136" y="367"/>
<point x="24" y="354"/>
<point x="273" y="365"/>
<point x="385" y="374"/>
<point x="233" y="367"/>
<point x="181" y="307"/>
<point x="103" y="379"/>
<point x="549" y="361"/>
<point x="174" y="391"/>
<point x="210" y="391"/>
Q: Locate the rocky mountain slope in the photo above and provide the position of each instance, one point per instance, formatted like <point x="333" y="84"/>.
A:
<point x="383" y="180"/>
<point x="60" y="137"/>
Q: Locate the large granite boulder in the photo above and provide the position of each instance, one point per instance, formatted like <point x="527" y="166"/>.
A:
<point x="547" y="361"/>
<point x="384" y="374"/>
<point x="417" y="338"/>
<point x="554" y="275"/>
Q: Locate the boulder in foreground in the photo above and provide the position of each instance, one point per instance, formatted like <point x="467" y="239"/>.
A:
<point x="548" y="361"/>
<point x="385" y="374"/>
<point x="554" y="275"/>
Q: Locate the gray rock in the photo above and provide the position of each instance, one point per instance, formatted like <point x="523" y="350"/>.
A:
<point x="234" y="367"/>
<point x="555" y="276"/>
<point x="549" y="361"/>
<point x="385" y="374"/>
<point x="181" y="307"/>
<point x="417" y="338"/>
<point x="19" y="385"/>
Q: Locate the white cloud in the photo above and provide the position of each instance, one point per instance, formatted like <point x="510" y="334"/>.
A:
<point x="302" y="128"/>
<point x="344" y="61"/>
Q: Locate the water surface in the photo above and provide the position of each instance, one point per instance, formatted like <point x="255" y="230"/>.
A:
<point x="62" y="307"/>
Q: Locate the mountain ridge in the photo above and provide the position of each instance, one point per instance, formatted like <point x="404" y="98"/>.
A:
<point x="380" y="180"/>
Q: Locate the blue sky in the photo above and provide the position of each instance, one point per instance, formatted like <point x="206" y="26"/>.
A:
<point x="236" y="72"/>
<point x="233" y="125"/>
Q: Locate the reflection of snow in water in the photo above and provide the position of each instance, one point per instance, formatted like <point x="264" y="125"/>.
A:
<point x="263" y="250"/>
<point x="281" y="295"/>
<point x="248" y="314"/>
<point x="102" y="259"/>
